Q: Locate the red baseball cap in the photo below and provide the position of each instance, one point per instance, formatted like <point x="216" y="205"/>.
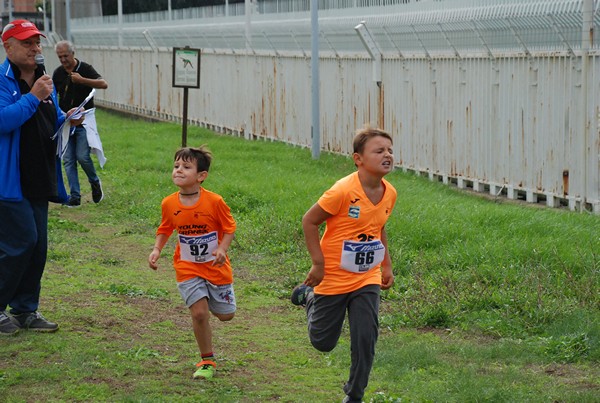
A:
<point x="20" y="29"/>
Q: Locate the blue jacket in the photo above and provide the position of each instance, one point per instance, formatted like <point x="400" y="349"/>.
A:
<point x="15" y="110"/>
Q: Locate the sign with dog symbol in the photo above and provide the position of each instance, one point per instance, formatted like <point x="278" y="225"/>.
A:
<point x="186" y="67"/>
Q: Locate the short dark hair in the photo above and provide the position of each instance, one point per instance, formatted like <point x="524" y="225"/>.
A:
<point x="201" y="155"/>
<point x="362" y="135"/>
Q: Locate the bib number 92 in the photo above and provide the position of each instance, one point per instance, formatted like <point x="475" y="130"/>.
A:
<point x="199" y="250"/>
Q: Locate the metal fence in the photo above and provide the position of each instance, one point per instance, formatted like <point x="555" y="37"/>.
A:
<point x="455" y="27"/>
<point x="499" y="98"/>
<point x="258" y="7"/>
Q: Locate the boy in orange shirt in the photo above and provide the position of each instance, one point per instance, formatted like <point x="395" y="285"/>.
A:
<point x="351" y="263"/>
<point x="205" y="229"/>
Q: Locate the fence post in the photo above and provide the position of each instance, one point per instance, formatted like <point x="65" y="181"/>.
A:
<point x="315" y="131"/>
<point x="587" y="38"/>
<point x="373" y="49"/>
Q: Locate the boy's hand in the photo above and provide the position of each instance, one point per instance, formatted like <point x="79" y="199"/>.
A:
<point x="387" y="278"/>
<point x="153" y="258"/>
<point x="220" y="256"/>
<point x="315" y="276"/>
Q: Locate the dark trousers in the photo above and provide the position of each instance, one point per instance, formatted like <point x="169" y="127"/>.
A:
<point x="23" y="251"/>
<point x="326" y="315"/>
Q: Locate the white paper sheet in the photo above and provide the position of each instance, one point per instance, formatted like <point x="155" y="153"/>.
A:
<point x="64" y="131"/>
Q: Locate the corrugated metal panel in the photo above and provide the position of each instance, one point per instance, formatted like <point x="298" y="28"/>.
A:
<point x="512" y="122"/>
<point x="499" y="119"/>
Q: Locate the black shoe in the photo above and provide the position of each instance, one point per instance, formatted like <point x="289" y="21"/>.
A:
<point x="97" y="194"/>
<point x="73" y="202"/>
<point x="300" y="294"/>
<point x="35" y="321"/>
<point x="7" y="326"/>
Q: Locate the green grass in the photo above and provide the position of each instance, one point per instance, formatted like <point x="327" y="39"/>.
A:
<point x="494" y="301"/>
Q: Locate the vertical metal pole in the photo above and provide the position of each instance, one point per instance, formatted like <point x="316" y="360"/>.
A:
<point x="314" y="64"/>
<point x="169" y="10"/>
<point x="587" y="38"/>
<point x="10" y="10"/>
<point x="68" y="19"/>
<point x="373" y="50"/>
<point x="248" y="12"/>
<point x="53" y="16"/>
<point x="185" y="118"/>
<point x="45" y="18"/>
<point x="120" y="21"/>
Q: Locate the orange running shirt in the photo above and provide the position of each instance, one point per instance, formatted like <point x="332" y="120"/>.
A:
<point x="198" y="227"/>
<point x="355" y="224"/>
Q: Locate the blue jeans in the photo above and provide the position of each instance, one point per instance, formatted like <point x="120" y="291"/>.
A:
<point x="78" y="150"/>
<point x="23" y="251"/>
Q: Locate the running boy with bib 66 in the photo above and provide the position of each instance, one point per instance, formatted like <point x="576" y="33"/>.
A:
<point x="351" y="262"/>
<point x="205" y="229"/>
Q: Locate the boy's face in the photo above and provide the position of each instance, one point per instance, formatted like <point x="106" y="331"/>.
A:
<point x="185" y="174"/>
<point x="377" y="157"/>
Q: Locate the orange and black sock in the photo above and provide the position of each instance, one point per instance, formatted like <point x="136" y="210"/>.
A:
<point x="208" y="357"/>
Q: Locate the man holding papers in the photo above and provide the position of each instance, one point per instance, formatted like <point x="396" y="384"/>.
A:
<point x="74" y="81"/>
<point x="30" y="177"/>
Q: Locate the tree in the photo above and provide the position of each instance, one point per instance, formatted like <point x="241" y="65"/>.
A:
<point x="39" y="5"/>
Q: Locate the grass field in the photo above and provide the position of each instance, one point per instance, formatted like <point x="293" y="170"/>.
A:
<point x="494" y="301"/>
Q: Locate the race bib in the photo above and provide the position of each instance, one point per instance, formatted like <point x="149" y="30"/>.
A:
<point x="198" y="249"/>
<point x="359" y="257"/>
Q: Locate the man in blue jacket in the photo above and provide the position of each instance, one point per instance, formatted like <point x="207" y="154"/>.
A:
<point x="30" y="176"/>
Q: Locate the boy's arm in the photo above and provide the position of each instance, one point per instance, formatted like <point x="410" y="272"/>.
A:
<point x="311" y="221"/>
<point x="387" y="274"/>
<point x="159" y="243"/>
<point x="221" y="252"/>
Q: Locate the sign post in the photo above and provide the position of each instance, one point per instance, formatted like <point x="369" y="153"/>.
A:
<point x="186" y="74"/>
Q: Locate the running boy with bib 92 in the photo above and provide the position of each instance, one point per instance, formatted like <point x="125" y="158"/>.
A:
<point x="351" y="262"/>
<point x="205" y="229"/>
